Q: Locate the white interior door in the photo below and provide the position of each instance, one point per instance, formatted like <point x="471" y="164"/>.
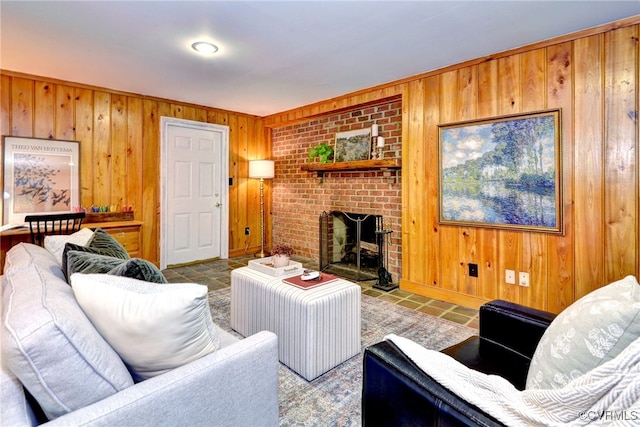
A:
<point x="194" y="209"/>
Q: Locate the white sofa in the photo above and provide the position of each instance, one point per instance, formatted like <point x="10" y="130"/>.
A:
<point x="50" y="346"/>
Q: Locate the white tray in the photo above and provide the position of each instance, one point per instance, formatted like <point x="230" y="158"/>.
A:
<point x="262" y="265"/>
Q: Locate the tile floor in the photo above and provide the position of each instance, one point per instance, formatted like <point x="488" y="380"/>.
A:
<point x="216" y="275"/>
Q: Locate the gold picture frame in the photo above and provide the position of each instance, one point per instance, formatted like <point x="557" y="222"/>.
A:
<point x="502" y="172"/>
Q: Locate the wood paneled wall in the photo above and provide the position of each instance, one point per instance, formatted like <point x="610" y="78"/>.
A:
<point x="119" y="136"/>
<point x="593" y="76"/>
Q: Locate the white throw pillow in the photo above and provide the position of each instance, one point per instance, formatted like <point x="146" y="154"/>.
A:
<point x="588" y="333"/>
<point x="55" y="244"/>
<point x="154" y="327"/>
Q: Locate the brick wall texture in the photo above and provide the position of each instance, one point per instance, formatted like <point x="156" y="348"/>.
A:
<point x="299" y="197"/>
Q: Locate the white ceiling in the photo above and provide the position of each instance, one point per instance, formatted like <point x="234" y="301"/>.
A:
<point x="274" y="55"/>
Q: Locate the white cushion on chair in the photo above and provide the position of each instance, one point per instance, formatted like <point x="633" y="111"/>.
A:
<point x="588" y="333"/>
<point x="55" y="243"/>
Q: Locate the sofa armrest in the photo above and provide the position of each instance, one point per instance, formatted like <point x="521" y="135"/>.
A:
<point x="396" y="392"/>
<point x="234" y="386"/>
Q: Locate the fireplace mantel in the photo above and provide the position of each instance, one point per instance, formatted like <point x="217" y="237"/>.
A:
<point x="358" y="165"/>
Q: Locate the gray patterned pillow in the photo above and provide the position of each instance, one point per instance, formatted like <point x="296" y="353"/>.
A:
<point x="140" y="269"/>
<point x="104" y="241"/>
<point x="101" y="244"/>
<point x="591" y="331"/>
<point x="89" y="263"/>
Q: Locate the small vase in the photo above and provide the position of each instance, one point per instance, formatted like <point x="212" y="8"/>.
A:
<point x="280" y="261"/>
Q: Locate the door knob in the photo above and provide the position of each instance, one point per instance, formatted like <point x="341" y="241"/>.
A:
<point x="218" y="204"/>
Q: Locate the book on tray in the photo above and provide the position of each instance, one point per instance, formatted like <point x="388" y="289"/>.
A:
<point x="308" y="284"/>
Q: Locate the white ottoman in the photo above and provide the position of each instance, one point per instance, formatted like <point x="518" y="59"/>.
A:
<point x="317" y="328"/>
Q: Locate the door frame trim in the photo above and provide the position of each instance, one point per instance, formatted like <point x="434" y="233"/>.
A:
<point x="165" y="122"/>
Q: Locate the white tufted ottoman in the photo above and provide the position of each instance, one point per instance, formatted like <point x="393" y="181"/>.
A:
<point x="317" y="328"/>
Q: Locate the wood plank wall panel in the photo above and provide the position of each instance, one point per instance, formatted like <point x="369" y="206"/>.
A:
<point x="589" y="245"/>
<point x="593" y="78"/>
<point x="449" y="259"/>
<point x="135" y="149"/>
<point x="44" y="110"/>
<point x="22" y="109"/>
<point x="487" y="106"/>
<point x="534" y="244"/>
<point x="64" y="113"/>
<point x="413" y="162"/>
<point x="559" y="269"/>
<point x="621" y="165"/>
<point x="119" y="136"/>
<point x="427" y="240"/>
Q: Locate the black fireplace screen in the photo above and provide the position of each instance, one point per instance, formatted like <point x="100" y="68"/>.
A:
<point x="349" y="244"/>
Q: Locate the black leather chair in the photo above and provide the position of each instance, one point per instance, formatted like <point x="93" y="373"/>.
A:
<point x="47" y="224"/>
<point x="396" y="392"/>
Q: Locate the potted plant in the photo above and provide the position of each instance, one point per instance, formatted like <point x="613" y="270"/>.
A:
<point x="280" y="255"/>
<point x="323" y="151"/>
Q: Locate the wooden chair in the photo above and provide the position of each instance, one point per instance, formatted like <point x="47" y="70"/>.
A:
<point x="47" y="224"/>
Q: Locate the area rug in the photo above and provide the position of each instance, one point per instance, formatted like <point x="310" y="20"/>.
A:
<point x="333" y="399"/>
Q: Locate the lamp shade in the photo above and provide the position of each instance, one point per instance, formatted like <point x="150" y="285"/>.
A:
<point x="261" y="169"/>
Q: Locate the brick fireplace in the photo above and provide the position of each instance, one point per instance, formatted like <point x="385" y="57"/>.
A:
<point x="300" y="197"/>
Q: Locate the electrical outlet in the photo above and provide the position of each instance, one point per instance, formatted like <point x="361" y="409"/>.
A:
<point x="246" y="231"/>
<point x="524" y="279"/>
<point x="473" y="270"/>
<point x="510" y="277"/>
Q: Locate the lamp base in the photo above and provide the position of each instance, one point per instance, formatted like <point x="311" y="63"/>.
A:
<point x="261" y="254"/>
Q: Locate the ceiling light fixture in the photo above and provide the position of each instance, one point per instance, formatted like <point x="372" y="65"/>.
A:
<point x="205" y="48"/>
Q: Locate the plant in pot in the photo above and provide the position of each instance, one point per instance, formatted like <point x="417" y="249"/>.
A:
<point x="280" y="255"/>
<point x="323" y="151"/>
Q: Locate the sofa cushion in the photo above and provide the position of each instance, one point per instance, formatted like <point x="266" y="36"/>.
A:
<point x="48" y="342"/>
<point x="154" y="327"/>
<point x="591" y="331"/>
<point x="140" y="269"/>
<point x="16" y="410"/>
<point x="55" y="244"/>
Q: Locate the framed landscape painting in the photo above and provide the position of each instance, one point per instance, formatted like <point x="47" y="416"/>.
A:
<point x="40" y="176"/>
<point x="353" y="145"/>
<point x="502" y="172"/>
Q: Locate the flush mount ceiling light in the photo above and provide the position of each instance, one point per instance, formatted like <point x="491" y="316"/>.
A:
<point x="205" y="48"/>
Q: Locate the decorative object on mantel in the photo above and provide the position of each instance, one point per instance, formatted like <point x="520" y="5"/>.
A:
<point x="502" y="172"/>
<point x="280" y="255"/>
<point x="261" y="169"/>
<point x="352" y="145"/>
<point x="323" y="151"/>
<point x="377" y="143"/>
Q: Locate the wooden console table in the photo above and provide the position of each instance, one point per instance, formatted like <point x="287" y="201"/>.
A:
<point x="127" y="233"/>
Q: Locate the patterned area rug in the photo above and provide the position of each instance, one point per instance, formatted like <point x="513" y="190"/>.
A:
<point x="333" y="399"/>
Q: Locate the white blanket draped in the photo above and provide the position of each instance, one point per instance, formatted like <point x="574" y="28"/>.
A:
<point x="607" y="395"/>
